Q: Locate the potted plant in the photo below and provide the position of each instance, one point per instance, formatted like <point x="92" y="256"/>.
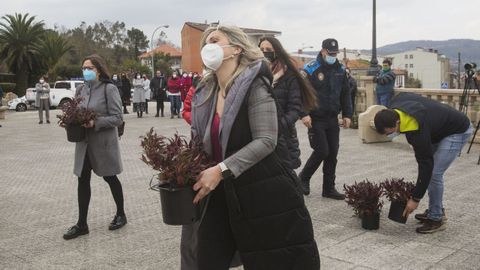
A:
<point x="364" y="198"/>
<point x="73" y="118"/>
<point x="178" y="163"/>
<point x="397" y="192"/>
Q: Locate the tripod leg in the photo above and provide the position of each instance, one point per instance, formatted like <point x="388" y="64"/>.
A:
<point x="473" y="137"/>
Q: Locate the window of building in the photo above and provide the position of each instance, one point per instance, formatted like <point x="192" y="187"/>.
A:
<point x="411" y="65"/>
<point x="411" y="56"/>
<point x="406" y="56"/>
<point x="411" y="75"/>
<point x="406" y="65"/>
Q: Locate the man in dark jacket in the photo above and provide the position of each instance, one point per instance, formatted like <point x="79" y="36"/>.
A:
<point x="385" y="83"/>
<point x="328" y="78"/>
<point x="126" y="89"/>
<point x="437" y="134"/>
<point x="157" y="85"/>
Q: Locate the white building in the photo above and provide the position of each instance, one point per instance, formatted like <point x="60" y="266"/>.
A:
<point x="431" y="68"/>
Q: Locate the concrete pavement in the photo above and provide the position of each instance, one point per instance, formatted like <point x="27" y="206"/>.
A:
<point x="38" y="202"/>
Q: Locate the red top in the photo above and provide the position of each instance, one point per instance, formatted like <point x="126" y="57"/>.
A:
<point x="214" y="131"/>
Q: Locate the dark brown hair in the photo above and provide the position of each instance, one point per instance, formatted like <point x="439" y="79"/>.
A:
<point x="309" y="97"/>
<point x="100" y="65"/>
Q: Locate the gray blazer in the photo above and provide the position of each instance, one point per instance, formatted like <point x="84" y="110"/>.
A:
<point x="41" y="88"/>
<point x="101" y="142"/>
<point x="262" y="114"/>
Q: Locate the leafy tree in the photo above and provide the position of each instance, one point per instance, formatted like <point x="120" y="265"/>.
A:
<point x="131" y="66"/>
<point x="136" y="41"/>
<point x="52" y="48"/>
<point x="163" y="63"/>
<point x="19" y="39"/>
<point x="413" y="83"/>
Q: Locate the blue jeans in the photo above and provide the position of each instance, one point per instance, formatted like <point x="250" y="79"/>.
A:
<point x="444" y="153"/>
<point x="384" y="99"/>
<point x="175" y="104"/>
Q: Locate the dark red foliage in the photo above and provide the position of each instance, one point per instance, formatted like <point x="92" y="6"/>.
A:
<point x="364" y="197"/>
<point x="396" y="189"/>
<point x="73" y="114"/>
<point x="179" y="162"/>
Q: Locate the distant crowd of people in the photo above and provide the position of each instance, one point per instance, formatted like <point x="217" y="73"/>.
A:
<point x="159" y="89"/>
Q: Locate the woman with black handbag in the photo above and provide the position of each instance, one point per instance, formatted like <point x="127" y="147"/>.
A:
<point x="100" y="151"/>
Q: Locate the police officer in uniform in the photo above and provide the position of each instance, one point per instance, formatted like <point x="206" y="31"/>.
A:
<point x="329" y="79"/>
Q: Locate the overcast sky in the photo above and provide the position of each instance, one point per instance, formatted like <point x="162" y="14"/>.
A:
<point x="302" y="22"/>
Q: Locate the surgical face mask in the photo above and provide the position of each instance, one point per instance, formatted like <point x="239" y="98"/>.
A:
<point x="213" y="56"/>
<point x="330" y="59"/>
<point x="89" y="75"/>
<point x="270" y="56"/>
<point x="174" y="75"/>
<point x="184" y="75"/>
<point x="393" y="135"/>
<point x="138" y="77"/>
<point x="42" y="81"/>
<point x="386" y="69"/>
<point x="115" y="78"/>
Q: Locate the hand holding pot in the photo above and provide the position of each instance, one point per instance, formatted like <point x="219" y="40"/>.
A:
<point x="89" y="124"/>
<point x="208" y="180"/>
<point x="411" y="206"/>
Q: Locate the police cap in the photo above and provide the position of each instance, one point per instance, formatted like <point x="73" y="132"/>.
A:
<point x="331" y="45"/>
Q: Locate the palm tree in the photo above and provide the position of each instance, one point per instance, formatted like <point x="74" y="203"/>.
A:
<point x="20" y="36"/>
<point x="52" y="48"/>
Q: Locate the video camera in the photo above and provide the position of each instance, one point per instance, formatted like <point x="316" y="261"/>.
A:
<point x="470" y="69"/>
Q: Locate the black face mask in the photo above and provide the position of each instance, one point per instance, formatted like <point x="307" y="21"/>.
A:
<point x="270" y="56"/>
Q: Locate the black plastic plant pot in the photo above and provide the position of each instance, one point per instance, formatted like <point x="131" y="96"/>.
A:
<point x="371" y="221"/>
<point x="75" y="133"/>
<point x="396" y="212"/>
<point x="177" y="205"/>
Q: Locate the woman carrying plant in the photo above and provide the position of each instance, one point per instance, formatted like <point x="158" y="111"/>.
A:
<point x="139" y="100"/>
<point x="293" y="94"/>
<point x="254" y="205"/>
<point x="43" y="99"/>
<point x="100" y="151"/>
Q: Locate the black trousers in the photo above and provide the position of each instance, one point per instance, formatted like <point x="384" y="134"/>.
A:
<point x="324" y="140"/>
<point x="160" y="106"/>
<point x="84" y="192"/>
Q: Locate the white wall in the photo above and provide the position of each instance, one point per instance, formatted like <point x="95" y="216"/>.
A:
<point x="429" y="67"/>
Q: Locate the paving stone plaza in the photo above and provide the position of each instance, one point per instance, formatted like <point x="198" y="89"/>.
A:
<point x="38" y="202"/>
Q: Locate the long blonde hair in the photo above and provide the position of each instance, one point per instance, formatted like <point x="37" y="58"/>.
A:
<point x="249" y="55"/>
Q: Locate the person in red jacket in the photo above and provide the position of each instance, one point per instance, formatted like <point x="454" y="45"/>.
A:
<point x="174" y="95"/>
<point x="187" y="106"/>
<point x="185" y="84"/>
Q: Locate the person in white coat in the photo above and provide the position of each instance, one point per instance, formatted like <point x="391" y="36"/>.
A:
<point x="138" y="95"/>
<point x="148" y="92"/>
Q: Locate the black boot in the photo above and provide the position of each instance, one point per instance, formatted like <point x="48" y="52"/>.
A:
<point x="329" y="190"/>
<point x="305" y="185"/>
<point x="75" y="231"/>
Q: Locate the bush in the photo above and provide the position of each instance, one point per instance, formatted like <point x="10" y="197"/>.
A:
<point x="7" y="87"/>
<point x="178" y="162"/>
<point x="364" y="197"/>
<point x="396" y="189"/>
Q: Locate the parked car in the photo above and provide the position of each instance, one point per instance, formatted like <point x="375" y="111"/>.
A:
<point x="18" y="104"/>
<point x="61" y="92"/>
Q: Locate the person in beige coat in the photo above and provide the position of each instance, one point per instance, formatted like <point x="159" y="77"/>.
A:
<point x="42" y="100"/>
<point x="100" y="151"/>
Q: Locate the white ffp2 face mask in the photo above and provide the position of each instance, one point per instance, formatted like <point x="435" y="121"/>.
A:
<point x="212" y="55"/>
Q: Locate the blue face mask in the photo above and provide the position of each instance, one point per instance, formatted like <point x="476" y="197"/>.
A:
<point x="393" y="135"/>
<point x="89" y="75"/>
<point x="330" y="59"/>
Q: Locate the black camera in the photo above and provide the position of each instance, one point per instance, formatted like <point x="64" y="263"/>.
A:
<point x="470" y="69"/>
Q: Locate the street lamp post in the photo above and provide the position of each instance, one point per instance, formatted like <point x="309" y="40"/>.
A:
<point x="151" y="47"/>
<point x="373" y="70"/>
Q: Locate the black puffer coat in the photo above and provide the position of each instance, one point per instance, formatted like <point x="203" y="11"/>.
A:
<point x="289" y="100"/>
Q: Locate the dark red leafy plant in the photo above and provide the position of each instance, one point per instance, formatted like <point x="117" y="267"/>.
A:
<point x="364" y="197"/>
<point x="178" y="162"/>
<point x="397" y="189"/>
<point x="74" y="115"/>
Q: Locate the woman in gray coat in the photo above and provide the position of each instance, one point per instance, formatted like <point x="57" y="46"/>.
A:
<point x="100" y="150"/>
<point x="42" y="100"/>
